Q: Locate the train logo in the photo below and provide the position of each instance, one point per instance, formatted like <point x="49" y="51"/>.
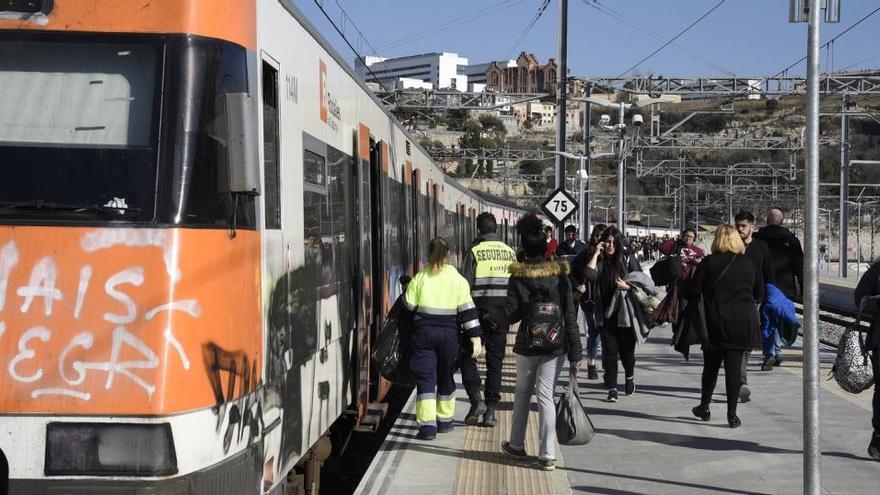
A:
<point x="330" y="112"/>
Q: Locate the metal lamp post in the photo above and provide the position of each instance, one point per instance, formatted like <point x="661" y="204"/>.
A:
<point x="800" y="11"/>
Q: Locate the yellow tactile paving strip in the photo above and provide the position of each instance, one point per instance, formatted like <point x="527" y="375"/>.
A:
<point x="484" y="470"/>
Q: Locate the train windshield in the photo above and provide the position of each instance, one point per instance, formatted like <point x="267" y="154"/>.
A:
<point x="78" y="129"/>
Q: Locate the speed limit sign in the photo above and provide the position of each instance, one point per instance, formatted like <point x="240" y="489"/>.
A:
<point x="559" y="206"/>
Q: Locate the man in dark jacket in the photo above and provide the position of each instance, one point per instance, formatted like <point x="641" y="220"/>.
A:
<point x="759" y="253"/>
<point x="485" y="267"/>
<point x="869" y="285"/>
<point x="571" y="246"/>
<point x="786" y="254"/>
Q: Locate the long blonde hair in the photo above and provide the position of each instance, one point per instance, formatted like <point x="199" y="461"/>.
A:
<point x="438" y="250"/>
<point x="727" y="240"/>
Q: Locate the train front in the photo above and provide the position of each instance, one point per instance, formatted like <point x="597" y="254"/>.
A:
<point x="130" y="315"/>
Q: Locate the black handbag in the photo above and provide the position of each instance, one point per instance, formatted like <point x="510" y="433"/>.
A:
<point x="666" y="271"/>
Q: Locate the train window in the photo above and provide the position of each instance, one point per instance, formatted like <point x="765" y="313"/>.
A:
<point x="328" y="228"/>
<point x="202" y="72"/>
<point x="79" y="127"/>
<point x="271" y="167"/>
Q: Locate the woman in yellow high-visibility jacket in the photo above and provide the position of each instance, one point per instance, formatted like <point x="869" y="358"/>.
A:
<point x="440" y="299"/>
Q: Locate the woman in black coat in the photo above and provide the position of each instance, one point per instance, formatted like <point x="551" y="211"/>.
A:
<point x="869" y="286"/>
<point x="607" y="268"/>
<point x="732" y="290"/>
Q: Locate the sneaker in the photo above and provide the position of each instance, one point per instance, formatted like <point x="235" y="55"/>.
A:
<point x="702" y="412"/>
<point x="745" y="394"/>
<point x="733" y="421"/>
<point x="545" y="464"/>
<point x="629" y="386"/>
<point x="507" y="449"/>
<point x="478" y="408"/>
<point x="874" y="447"/>
<point x="592" y="374"/>
<point x="768" y="363"/>
<point x="778" y="359"/>
<point x="612" y="395"/>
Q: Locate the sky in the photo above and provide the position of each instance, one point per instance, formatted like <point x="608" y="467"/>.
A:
<point x="742" y="37"/>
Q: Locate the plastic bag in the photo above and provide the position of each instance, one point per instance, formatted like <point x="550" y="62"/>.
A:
<point x="573" y="425"/>
<point x="391" y="350"/>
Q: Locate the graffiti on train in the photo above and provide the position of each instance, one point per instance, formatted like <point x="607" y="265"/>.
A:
<point x="103" y="317"/>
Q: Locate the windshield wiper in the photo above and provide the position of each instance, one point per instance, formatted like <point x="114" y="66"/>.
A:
<point x="42" y="205"/>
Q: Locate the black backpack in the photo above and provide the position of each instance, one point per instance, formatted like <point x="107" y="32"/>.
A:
<point x="541" y="326"/>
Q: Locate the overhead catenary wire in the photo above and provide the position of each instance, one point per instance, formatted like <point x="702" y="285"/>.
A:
<point x="529" y="27"/>
<point x="680" y="34"/>
<point x="341" y="32"/>
<point x="850" y="66"/>
<point x="458" y="21"/>
<point x="604" y="9"/>
<point x="829" y="42"/>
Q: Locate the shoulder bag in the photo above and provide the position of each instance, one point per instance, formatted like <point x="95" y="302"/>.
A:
<point x="852" y="368"/>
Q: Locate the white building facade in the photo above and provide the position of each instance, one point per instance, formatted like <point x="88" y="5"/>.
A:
<point x="441" y="70"/>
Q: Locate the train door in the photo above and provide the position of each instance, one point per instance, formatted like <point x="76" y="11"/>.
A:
<point x="363" y="268"/>
<point x="377" y="253"/>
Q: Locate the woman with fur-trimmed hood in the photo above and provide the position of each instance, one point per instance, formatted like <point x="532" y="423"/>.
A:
<point x="539" y="296"/>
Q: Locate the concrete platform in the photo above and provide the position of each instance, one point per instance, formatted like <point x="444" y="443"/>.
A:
<point x="649" y="443"/>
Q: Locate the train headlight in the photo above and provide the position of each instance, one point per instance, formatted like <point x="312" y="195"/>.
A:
<point x="110" y="449"/>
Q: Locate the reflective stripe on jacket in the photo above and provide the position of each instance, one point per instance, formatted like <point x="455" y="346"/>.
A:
<point x="442" y="300"/>
<point x="492" y="259"/>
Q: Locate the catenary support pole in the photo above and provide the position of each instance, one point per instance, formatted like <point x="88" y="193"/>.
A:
<point x="586" y="221"/>
<point x="844" y="187"/>
<point x="812" y="446"/>
<point x="561" y="91"/>
<point x="621" y="173"/>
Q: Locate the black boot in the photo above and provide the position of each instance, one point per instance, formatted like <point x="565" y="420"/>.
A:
<point x="874" y="447"/>
<point x="489" y="416"/>
<point x="478" y="407"/>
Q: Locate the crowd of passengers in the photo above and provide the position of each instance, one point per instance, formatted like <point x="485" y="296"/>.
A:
<point x="561" y="291"/>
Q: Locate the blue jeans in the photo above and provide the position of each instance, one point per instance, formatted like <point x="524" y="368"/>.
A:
<point x="593" y="331"/>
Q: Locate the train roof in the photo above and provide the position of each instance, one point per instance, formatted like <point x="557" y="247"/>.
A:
<point x="312" y="30"/>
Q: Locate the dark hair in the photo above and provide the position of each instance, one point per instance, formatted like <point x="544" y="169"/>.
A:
<point x="438" y="249"/>
<point x="744" y="215"/>
<point x="486" y="223"/>
<point x="596" y="235"/>
<point x="685" y="231"/>
<point x="547" y="228"/>
<point x="570" y="228"/>
<point x="533" y="242"/>
<point x="617" y="268"/>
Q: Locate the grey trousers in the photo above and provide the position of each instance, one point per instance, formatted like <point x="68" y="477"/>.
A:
<point x="745" y="365"/>
<point x="538" y="375"/>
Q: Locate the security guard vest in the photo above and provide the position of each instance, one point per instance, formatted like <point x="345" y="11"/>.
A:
<point x="493" y="259"/>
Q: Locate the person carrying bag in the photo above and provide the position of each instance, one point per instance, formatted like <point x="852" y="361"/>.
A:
<point x="539" y="296"/>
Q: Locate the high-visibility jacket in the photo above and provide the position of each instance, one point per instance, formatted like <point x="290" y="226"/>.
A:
<point x="442" y="300"/>
<point x="486" y="268"/>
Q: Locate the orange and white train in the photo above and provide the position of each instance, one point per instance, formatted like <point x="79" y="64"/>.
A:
<point x="203" y="216"/>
